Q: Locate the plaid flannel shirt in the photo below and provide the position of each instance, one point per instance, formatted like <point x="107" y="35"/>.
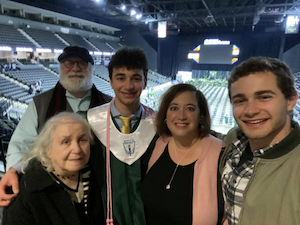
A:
<point x="235" y="178"/>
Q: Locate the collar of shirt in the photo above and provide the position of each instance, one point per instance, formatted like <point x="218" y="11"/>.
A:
<point x="240" y="144"/>
<point x="77" y="104"/>
<point x="115" y="114"/>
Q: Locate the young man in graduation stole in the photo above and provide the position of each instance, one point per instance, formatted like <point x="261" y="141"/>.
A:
<point x="128" y="133"/>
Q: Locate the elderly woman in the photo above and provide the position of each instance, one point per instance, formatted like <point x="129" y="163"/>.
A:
<point x="57" y="186"/>
<point x="182" y="185"/>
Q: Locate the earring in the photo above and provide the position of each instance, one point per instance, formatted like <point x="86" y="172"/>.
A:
<point x="201" y="125"/>
<point x="165" y="121"/>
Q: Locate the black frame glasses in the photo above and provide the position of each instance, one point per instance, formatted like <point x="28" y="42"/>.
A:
<point x="81" y="64"/>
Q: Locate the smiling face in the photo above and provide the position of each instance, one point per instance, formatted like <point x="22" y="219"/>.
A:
<point x="260" y="108"/>
<point x="128" y="86"/>
<point x="183" y="115"/>
<point x="75" y="79"/>
<point x="70" y="148"/>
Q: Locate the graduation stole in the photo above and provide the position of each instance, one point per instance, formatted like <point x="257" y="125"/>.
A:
<point x="127" y="148"/>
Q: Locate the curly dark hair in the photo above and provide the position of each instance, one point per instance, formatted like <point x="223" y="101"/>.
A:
<point x="129" y="57"/>
<point x="285" y="80"/>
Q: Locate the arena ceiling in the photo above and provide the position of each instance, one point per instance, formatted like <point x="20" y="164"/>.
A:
<point x="181" y="15"/>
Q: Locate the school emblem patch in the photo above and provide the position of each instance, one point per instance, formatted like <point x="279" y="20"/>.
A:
<point x="129" y="146"/>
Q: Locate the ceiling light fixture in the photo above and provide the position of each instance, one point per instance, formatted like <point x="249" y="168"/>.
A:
<point x="133" y="12"/>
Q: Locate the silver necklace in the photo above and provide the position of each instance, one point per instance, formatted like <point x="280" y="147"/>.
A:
<point x="177" y="165"/>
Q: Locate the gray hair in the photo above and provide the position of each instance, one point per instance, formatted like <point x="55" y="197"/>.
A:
<point x="40" y="147"/>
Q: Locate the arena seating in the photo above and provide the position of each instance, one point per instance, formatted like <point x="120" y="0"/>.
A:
<point x="31" y="76"/>
<point x="47" y="62"/>
<point x="24" y="78"/>
<point x="153" y="101"/>
<point x="103" y="86"/>
<point x="11" y="90"/>
<point x="76" y="40"/>
<point x="10" y="36"/>
<point x="45" y="38"/>
<point x="296" y="111"/>
<point x="100" y="44"/>
<point x="3" y="62"/>
<point x="25" y="61"/>
<point x="56" y="70"/>
<point x="102" y="72"/>
<point x="4" y="105"/>
<point x="116" y="46"/>
<point x="157" y="78"/>
<point x="7" y="127"/>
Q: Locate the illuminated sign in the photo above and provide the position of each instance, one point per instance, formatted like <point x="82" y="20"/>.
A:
<point x="194" y="56"/>
<point x="43" y="50"/>
<point x="215" y="42"/>
<point x="5" y="48"/>
<point x="234" y="60"/>
<point x="58" y="50"/>
<point x="197" y="48"/>
<point x="162" y="29"/>
<point x="64" y="30"/>
<point x="97" y="53"/>
<point x="107" y="53"/>
<point x="21" y="49"/>
<point x="215" y="54"/>
<point x="235" y="50"/>
<point x="292" y="25"/>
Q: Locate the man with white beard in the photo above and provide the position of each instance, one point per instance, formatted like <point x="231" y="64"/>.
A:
<point x="74" y="92"/>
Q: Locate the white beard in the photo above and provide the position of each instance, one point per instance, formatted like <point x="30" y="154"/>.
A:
<point x="81" y="85"/>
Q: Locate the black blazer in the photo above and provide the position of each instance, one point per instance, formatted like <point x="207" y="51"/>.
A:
<point x="41" y="201"/>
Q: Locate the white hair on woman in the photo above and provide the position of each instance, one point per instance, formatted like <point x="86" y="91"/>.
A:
<point x="40" y="147"/>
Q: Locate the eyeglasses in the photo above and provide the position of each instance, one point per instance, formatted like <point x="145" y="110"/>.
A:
<point x="81" y="64"/>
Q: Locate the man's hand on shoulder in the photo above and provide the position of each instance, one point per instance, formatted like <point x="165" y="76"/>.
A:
<point x="9" y="187"/>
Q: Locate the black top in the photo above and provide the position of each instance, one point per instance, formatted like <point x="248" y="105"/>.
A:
<point x="172" y="206"/>
<point x="42" y="201"/>
<point x="246" y="156"/>
<point x="79" y="206"/>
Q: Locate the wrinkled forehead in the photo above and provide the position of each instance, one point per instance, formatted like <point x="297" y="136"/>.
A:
<point x="69" y="127"/>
